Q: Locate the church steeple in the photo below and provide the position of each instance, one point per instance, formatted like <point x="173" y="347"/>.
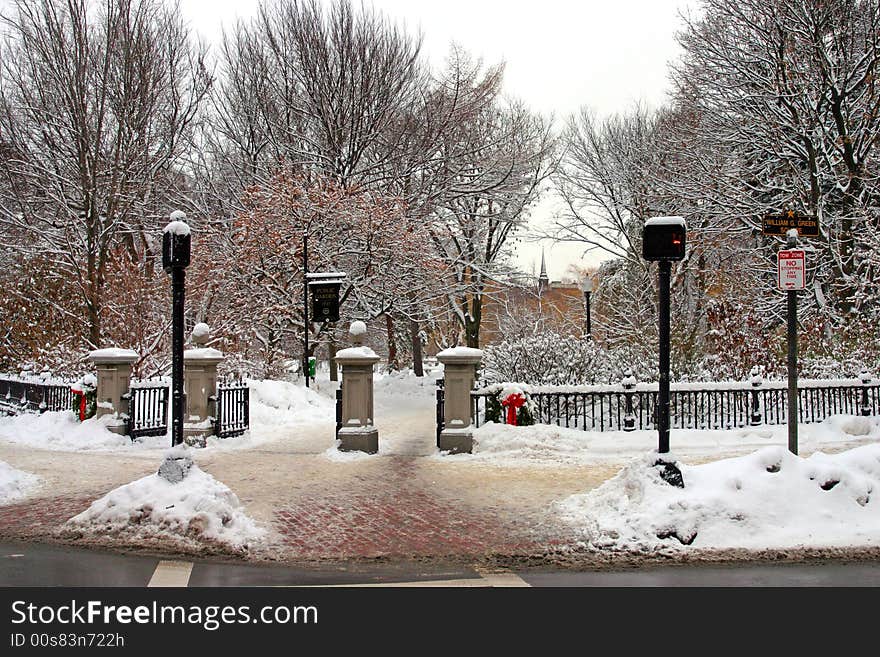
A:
<point x="543" y="279"/>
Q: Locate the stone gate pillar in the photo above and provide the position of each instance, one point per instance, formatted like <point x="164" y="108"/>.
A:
<point x="200" y="385"/>
<point x="357" y="432"/>
<point x="459" y="373"/>
<point x="113" y="367"/>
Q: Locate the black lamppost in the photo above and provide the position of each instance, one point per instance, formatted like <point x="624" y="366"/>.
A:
<point x="587" y="287"/>
<point x="175" y="260"/>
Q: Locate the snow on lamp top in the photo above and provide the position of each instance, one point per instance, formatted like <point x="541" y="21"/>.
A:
<point x="177" y="225"/>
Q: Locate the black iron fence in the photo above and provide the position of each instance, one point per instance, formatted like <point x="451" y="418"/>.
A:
<point x="338" y="410"/>
<point x="692" y="406"/>
<point x="441" y="408"/>
<point x="27" y="395"/>
<point x="147" y="408"/>
<point x="232" y="416"/>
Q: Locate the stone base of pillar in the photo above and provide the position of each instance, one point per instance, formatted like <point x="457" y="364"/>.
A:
<point x="359" y="439"/>
<point x="196" y="436"/>
<point x="457" y="441"/>
<point x="117" y="426"/>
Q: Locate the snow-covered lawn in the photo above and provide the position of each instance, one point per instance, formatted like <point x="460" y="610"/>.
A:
<point x="550" y="445"/>
<point x="767" y="499"/>
<point x="276" y="407"/>
<point x="15" y="484"/>
<point x="199" y="508"/>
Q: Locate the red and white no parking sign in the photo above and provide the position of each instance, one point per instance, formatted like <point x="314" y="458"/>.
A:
<point x="791" y="268"/>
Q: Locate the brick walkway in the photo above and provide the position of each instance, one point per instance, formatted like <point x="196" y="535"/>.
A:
<point x="40" y="517"/>
<point x="395" y="516"/>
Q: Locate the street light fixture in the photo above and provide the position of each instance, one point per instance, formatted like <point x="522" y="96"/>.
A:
<point x="587" y="287"/>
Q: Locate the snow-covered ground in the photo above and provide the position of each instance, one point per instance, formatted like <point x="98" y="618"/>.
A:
<point x="550" y="445"/>
<point x="15" y="484"/>
<point x="198" y="508"/>
<point x="742" y="487"/>
<point x="767" y="499"/>
<point x="276" y="408"/>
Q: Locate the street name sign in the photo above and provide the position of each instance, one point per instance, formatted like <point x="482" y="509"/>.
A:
<point x="780" y="224"/>
<point x="791" y="269"/>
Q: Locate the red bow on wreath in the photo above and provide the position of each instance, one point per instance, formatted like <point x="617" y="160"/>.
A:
<point x="513" y="401"/>
<point x="82" y="403"/>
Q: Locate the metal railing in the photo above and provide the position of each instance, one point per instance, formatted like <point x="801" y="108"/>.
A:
<point x="147" y="408"/>
<point x="26" y="395"/>
<point x="441" y="408"/>
<point x="715" y="406"/>
<point x="338" y="410"/>
<point x="232" y="409"/>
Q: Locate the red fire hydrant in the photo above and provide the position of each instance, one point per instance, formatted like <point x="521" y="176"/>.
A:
<point x="513" y="402"/>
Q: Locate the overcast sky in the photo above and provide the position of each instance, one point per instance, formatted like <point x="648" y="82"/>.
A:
<point x="559" y="54"/>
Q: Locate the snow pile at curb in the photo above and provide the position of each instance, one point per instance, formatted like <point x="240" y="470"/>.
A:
<point x="199" y="508"/>
<point x="15" y="484"/>
<point x="767" y="499"/>
<point x="62" y="430"/>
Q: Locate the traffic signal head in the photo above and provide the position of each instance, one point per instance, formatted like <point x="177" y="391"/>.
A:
<point x="664" y="238"/>
<point x="176" y="243"/>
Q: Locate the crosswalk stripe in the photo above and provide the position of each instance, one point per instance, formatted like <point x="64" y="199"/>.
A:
<point x="171" y="573"/>
<point x="504" y="579"/>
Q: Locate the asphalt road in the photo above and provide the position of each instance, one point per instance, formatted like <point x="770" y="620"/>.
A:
<point x="43" y="565"/>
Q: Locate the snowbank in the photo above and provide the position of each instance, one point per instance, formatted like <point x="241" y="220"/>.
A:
<point x="549" y="445"/>
<point x="15" y="484"/>
<point x="767" y="499"/>
<point x="62" y="430"/>
<point x="275" y="407"/>
<point x="276" y="403"/>
<point x="197" y="508"/>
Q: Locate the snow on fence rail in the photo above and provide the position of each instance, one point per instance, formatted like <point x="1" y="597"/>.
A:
<point x="25" y="393"/>
<point x="717" y="405"/>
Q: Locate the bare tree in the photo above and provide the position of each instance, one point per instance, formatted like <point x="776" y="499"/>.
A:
<point x="97" y="102"/>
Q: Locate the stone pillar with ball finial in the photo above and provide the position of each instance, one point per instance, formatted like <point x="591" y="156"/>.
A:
<point x="358" y="433"/>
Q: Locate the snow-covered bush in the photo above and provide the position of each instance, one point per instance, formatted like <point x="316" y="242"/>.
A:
<point x="553" y="359"/>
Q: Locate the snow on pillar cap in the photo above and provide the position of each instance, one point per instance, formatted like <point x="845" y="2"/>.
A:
<point x="357" y="331"/>
<point x="201" y="333"/>
<point x="460" y="355"/>
<point x="113" y="355"/>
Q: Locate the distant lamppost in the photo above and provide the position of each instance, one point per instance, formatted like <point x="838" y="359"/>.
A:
<point x="587" y="287"/>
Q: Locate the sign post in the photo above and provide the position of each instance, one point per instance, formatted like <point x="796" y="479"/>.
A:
<point x="791" y="275"/>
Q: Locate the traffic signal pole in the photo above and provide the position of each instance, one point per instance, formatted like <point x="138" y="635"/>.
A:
<point x="663" y="326"/>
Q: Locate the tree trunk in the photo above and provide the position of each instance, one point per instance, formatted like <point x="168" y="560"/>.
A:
<point x="416" y="348"/>
<point x="392" y="346"/>
<point x="472" y="322"/>
<point x="331" y="349"/>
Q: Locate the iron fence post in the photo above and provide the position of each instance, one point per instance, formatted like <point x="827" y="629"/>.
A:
<point x="629" y="384"/>
<point x="865" y="378"/>
<point x="756" y="381"/>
